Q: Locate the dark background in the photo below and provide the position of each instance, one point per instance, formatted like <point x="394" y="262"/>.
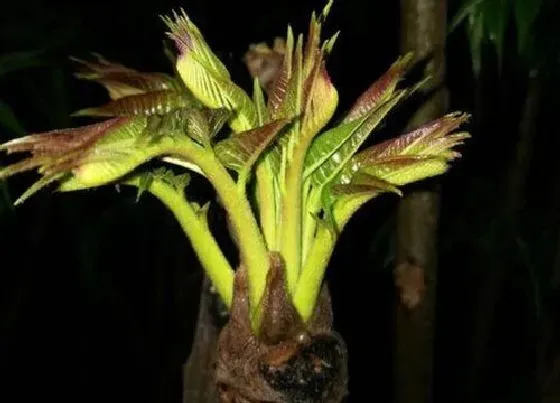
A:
<point x="98" y="293"/>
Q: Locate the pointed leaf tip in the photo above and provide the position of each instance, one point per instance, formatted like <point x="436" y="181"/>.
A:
<point x="147" y="104"/>
<point x="381" y="90"/>
<point x="421" y="153"/>
<point x="121" y="81"/>
<point x="206" y="77"/>
<point x="241" y="150"/>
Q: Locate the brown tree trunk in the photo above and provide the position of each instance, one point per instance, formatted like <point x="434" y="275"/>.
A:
<point x="423" y="30"/>
<point x="199" y="385"/>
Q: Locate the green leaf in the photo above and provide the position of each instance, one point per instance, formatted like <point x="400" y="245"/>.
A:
<point x="150" y="103"/>
<point x="333" y="149"/>
<point x="40" y="184"/>
<point x="402" y="170"/>
<point x="526" y="12"/>
<point x="178" y="182"/>
<point x="9" y="120"/>
<point x="365" y="183"/>
<point x="348" y="198"/>
<point x="476" y="36"/>
<point x="496" y="14"/>
<point x="205" y="75"/>
<point x="17" y="61"/>
<point x="200" y="124"/>
<point x="468" y="9"/>
<point x="240" y="151"/>
<point x="144" y="182"/>
<point x="258" y="98"/>
<point x="345" y="206"/>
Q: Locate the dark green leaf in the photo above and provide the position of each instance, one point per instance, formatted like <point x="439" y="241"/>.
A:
<point x="17" y="61"/>
<point x="526" y="12"/>
<point x="468" y="9"/>
<point x="496" y="15"/>
<point x="9" y="120"/>
<point x="476" y="36"/>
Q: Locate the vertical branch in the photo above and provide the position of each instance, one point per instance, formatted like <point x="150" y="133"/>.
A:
<point x="199" y="385"/>
<point x="423" y="28"/>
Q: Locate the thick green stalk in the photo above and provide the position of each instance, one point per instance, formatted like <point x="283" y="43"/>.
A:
<point x="266" y="200"/>
<point x="312" y="206"/>
<point x="196" y="229"/>
<point x="252" y="248"/>
<point x="291" y="246"/>
<point x="311" y="279"/>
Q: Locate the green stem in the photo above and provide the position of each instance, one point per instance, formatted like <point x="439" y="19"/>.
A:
<point x="309" y="283"/>
<point x="252" y="248"/>
<point x="291" y="218"/>
<point x="196" y="229"/>
<point x="266" y="200"/>
<point x="312" y="203"/>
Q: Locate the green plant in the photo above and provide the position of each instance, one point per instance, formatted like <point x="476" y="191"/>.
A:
<point x="304" y="182"/>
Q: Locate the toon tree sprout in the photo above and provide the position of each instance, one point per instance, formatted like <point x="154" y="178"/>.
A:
<point x="307" y="177"/>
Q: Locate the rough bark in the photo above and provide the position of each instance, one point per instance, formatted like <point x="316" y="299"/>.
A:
<point x="423" y="29"/>
<point x="285" y="360"/>
<point x="198" y="374"/>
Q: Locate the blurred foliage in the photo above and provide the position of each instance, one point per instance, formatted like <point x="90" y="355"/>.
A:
<point x="490" y="22"/>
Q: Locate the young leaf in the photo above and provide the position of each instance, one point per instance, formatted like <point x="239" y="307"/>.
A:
<point x="58" y="151"/>
<point x="331" y="150"/>
<point x="403" y="169"/>
<point x="200" y="124"/>
<point x="381" y="90"/>
<point x="423" y="152"/>
<point x="178" y="182"/>
<point x="150" y="103"/>
<point x="144" y="182"/>
<point x="92" y="155"/>
<point x="292" y="103"/>
<point x="345" y="199"/>
<point x="279" y="86"/>
<point x="321" y="100"/>
<point x="205" y="75"/>
<point x="364" y="183"/>
<point x="121" y="81"/>
<point x="240" y="151"/>
<point x="258" y="98"/>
